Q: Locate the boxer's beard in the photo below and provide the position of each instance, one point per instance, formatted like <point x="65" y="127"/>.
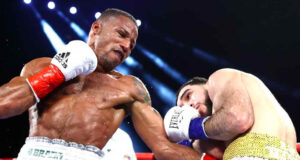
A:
<point x="209" y="104"/>
<point x="108" y="65"/>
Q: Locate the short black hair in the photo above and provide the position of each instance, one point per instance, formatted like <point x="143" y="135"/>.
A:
<point x="192" y="81"/>
<point x="116" y="12"/>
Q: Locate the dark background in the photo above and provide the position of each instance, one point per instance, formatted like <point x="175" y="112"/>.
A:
<point x="259" y="37"/>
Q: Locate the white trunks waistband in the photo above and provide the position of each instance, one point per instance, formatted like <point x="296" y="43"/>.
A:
<point x="46" y="148"/>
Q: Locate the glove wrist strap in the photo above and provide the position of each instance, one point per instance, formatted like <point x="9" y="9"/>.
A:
<point x="187" y="142"/>
<point x="196" y="128"/>
<point x="45" y="81"/>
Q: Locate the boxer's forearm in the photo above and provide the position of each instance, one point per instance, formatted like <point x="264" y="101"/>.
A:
<point x="149" y="125"/>
<point x="227" y="124"/>
<point x="15" y="97"/>
<point x="233" y="113"/>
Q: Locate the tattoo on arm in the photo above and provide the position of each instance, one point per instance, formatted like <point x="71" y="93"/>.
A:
<point x="142" y="91"/>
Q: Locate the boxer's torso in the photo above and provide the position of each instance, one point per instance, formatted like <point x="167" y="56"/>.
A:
<point x="270" y="117"/>
<point x="86" y="110"/>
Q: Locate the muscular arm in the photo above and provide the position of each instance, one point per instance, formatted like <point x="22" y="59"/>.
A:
<point x="149" y="125"/>
<point x="233" y="109"/>
<point x="16" y="95"/>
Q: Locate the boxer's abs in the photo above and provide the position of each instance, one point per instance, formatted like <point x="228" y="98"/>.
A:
<point x="78" y="113"/>
<point x="270" y="117"/>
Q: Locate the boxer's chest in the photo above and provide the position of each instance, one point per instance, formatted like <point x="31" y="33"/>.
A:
<point x="98" y="88"/>
<point x="95" y="94"/>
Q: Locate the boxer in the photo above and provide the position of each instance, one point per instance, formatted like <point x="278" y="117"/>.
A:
<point x="236" y="108"/>
<point x="81" y="100"/>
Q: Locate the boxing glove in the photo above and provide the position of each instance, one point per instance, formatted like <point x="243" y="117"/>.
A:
<point x="73" y="59"/>
<point x="177" y="121"/>
<point x="184" y="123"/>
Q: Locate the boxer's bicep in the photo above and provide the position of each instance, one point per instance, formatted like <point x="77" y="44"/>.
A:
<point x="140" y="92"/>
<point x="233" y="113"/>
<point x="16" y="95"/>
<point x="147" y="121"/>
<point x="226" y="90"/>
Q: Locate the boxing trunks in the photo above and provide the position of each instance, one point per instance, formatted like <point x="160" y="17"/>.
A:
<point x="255" y="146"/>
<point x="119" y="147"/>
<point x="43" y="148"/>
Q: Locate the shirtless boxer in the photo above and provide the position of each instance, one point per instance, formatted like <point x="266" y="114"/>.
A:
<point x="82" y="100"/>
<point x="234" y="107"/>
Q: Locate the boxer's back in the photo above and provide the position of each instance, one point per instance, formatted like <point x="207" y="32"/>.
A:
<point x="270" y="117"/>
<point x="86" y="110"/>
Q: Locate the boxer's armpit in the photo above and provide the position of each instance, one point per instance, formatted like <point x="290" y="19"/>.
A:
<point x="141" y="91"/>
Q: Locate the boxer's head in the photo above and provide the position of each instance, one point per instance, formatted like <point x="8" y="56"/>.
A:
<point x="194" y="93"/>
<point x="112" y="37"/>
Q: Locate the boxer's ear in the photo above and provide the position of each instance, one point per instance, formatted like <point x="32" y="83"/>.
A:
<point x="96" y="27"/>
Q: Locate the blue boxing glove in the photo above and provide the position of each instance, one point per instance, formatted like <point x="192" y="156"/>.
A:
<point x="183" y="123"/>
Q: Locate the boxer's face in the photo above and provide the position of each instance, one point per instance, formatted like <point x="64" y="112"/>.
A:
<point x="113" y="40"/>
<point x="195" y="96"/>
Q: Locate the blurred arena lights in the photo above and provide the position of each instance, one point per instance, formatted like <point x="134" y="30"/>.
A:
<point x="52" y="36"/>
<point x="162" y="64"/>
<point x="27" y="1"/>
<point x="79" y="31"/>
<point x="73" y="10"/>
<point x="51" y="5"/>
<point x="97" y="15"/>
<point x="138" y="22"/>
<point x="166" y="94"/>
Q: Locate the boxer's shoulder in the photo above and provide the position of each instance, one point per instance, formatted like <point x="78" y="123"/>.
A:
<point x="116" y="74"/>
<point x="35" y="65"/>
<point x="223" y="79"/>
<point x="138" y="89"/>
<point x="133" y="85"/>
<point x="135" y="82"/>
<point x="130" y="80"/>
<point x="225" y="73"/>
<point x="40" y="61"/>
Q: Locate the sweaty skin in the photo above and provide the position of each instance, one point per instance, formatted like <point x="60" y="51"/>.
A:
<point x="241" y="104"/>
<point x="89" y="108"/>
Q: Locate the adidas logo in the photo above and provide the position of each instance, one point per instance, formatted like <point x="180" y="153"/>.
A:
<point x="62" y="58"/>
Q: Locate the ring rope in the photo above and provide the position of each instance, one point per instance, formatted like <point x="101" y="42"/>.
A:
<point x="146" y="156"/>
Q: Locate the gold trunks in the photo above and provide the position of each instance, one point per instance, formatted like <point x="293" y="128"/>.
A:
<point x="260" y="146"/>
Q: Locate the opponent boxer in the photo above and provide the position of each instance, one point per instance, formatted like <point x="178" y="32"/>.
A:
<point x="234" y="107"/>
<point x="82" y="100"/>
